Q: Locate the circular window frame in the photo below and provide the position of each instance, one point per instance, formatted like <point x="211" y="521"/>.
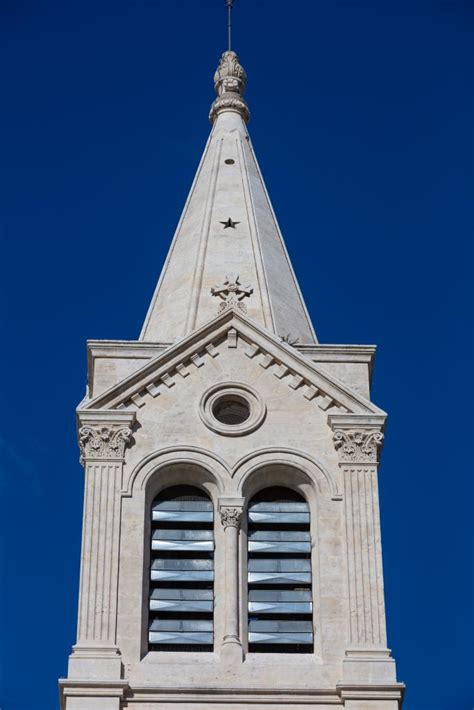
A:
<point x="212" y="396"/>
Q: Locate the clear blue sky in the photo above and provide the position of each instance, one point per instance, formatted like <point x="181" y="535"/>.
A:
<point x="362" y="122"/>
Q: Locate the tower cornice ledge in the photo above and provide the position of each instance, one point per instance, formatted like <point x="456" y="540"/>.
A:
<point x="371" y="691"/>
<point x="97" y="417"/>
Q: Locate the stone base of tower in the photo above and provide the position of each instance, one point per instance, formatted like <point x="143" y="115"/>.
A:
<point x="368" y="683"/>
<point x="80" y="695"/>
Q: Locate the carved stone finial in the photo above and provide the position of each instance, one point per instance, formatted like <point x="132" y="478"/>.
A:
<point x="230" y="81"/>
<point x="232" y="293"/>
<point x="103" y="442"/>
<point x="358" y="446"/>
<point x="231" y="517"/>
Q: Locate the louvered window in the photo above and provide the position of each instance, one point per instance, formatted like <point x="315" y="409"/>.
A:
<point x="280" y="608"/>
<point x="182" y="571"/>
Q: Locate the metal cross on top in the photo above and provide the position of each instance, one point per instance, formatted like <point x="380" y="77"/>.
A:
<point x="232" y="294"/>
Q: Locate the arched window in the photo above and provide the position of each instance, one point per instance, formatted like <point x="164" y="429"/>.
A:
<point x="182" y="571"/>
<point x="280" y="608"/>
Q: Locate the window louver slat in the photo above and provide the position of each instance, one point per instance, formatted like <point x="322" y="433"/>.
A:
<point x="183" y="516"/>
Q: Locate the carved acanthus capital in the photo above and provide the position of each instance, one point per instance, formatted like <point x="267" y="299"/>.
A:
<point x="358" y="446"/>
<point x="230" y="517"/>
<point x="103" y="442"/>
<point x="230" y="81"/>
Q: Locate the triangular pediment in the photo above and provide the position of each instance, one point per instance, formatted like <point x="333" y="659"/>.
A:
<point x="232" y="329"/>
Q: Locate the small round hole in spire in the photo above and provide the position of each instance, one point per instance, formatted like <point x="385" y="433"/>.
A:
<point x="229" y="161"/>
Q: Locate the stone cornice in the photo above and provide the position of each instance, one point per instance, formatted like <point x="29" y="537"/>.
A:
<point x="371" y="691"/>
<point x="340" y="353"/>
<point x="98" y="417"/>
<point x="262" y="341"/>
<point x="202" y="695"/>
<point x="69" y="687"/>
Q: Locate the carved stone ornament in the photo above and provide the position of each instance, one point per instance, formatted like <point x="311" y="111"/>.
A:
<point x="103" y="442"/>
<point x="357" y="446"/>
<point x="231" y="517"/>
<point x="232" y="293"/>
<point x="230" y="80"/>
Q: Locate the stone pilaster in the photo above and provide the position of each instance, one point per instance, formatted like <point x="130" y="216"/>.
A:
<point x="358" y="440"/>
<point x="103" y="437"/>
<point x="230" y="510"/>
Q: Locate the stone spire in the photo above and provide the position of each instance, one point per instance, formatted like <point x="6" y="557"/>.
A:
<point x="228" y="248"/>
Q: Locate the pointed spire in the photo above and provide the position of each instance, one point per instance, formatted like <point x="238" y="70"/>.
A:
<point x="227" y="227"/>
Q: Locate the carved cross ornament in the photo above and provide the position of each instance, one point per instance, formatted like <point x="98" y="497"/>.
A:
<point x="232" y="294"/>
<point x="103" y="442"/>
<point x="231" y="517"/>
<point x="357" y="446"/>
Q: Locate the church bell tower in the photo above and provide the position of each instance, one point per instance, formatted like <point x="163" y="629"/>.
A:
<point x="231" y="552"/>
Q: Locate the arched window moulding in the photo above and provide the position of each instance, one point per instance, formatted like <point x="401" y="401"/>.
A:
<point x="319" y="477"/>
<point x="205" y="461"/>
<point x="324" y="481"/>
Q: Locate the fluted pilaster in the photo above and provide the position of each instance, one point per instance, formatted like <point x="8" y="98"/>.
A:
<point x="358" y="440"/>
<point x="103" y="437"/>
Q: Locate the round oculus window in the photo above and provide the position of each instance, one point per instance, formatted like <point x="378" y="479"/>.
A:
<point x="232" y="409"/>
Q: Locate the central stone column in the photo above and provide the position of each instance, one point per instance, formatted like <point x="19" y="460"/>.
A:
<point x="230" y="510"/>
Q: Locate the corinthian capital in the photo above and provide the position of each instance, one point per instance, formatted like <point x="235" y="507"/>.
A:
<point x="230" y="517"/>
<point x="103" y="442"/>
<point x="357" y="446"/>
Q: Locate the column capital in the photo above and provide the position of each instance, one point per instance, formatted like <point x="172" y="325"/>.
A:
<point x="230" y="511"/>
<point x="357" y="438"/>
<point x="104" y="434"/>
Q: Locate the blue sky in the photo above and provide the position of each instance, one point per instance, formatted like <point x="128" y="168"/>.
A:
<point x="362" y="116"/>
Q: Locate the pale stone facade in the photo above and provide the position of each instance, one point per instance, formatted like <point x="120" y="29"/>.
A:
<point x="222" y="319"/>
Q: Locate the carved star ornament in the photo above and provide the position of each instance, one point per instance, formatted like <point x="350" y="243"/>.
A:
<point x="229" y="223"/>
